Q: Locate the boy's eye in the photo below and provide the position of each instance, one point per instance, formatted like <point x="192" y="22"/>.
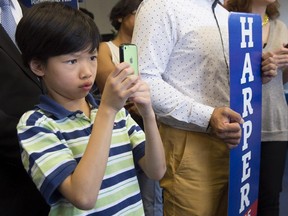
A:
<point x="93" y="58"/>
<point x="73" y="61"/>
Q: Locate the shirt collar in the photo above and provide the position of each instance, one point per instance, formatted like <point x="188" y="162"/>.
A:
<point x="16" y="10"/>
<point x="53" y="108"/>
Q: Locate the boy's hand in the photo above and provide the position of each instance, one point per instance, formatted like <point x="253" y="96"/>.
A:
<point x="142" y="99"/>
<point x="119" y="86"/>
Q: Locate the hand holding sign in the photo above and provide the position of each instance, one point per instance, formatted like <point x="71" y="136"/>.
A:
<point x="281" y="57"/>
<point x="225" y="124"/>
<point x="269" y="67"/>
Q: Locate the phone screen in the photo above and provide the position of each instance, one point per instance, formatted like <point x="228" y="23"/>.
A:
<point x="128" y="53"/>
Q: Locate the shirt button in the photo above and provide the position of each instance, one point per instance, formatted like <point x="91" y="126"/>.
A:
<point x="78" y="115"/>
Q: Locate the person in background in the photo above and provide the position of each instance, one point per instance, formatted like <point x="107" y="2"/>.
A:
<point x="82" y="155"/>
<point x="122" y="18"/>
<point x="19" y="92"/>
<point x="183" y="56"/>
<point x="274" y="137"/>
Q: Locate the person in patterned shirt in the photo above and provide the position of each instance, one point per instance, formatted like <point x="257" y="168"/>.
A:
<point x="183" y="56"/>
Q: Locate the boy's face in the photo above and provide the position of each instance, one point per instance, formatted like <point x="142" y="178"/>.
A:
<point x="70" y="77"/>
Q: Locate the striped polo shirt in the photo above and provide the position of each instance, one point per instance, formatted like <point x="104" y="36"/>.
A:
<point x="53" y="140"/>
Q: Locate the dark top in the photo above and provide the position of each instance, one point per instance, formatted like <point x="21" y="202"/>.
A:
<point x="19" y="91"/>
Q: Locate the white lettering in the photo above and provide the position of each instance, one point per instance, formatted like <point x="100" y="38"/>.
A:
<point x="246" y="32"/>
<point x="246" y="170"/>
<point x="247" y="69"/>
<point x="247" y="131"/>
<point x="245" y="202"/>
<point x="247" y="97"/>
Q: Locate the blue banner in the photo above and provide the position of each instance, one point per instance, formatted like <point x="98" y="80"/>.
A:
<point x="245" y="47"/>
<point x="30" y="3"/>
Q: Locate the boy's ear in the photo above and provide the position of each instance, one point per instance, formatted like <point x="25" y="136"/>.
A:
<point x="37" y="67"/>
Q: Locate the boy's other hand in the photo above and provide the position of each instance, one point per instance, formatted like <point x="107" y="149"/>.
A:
<point x="119" y="86"/>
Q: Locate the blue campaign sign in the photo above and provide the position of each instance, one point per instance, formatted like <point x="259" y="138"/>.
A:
<point x="245" y="47"/>
<point x="30" y="3"/>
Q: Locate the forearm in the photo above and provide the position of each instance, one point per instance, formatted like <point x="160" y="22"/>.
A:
<point x="153" y="163"/>
<point x="173" y="104"/>
<point x="82" y="187"/>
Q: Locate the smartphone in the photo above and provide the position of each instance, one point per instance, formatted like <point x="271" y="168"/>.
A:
<point x="129" y="53"/>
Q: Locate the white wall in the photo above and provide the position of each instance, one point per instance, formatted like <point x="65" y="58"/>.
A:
<point x="101" y="10"/>
<point x="284" y="11"/>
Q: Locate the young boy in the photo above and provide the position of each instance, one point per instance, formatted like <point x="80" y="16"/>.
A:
<point x="80" y="154"/>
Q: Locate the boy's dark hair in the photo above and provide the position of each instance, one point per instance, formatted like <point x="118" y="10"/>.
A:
<point x="121" y="10"/>
<point x="51" y="29"/>
<point x="88" y="13"/>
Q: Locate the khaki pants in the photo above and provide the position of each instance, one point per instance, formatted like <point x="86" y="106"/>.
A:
<point x="196" y="181"/>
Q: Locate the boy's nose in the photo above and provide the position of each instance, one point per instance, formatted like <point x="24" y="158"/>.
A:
<point x="85" y="71"/>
